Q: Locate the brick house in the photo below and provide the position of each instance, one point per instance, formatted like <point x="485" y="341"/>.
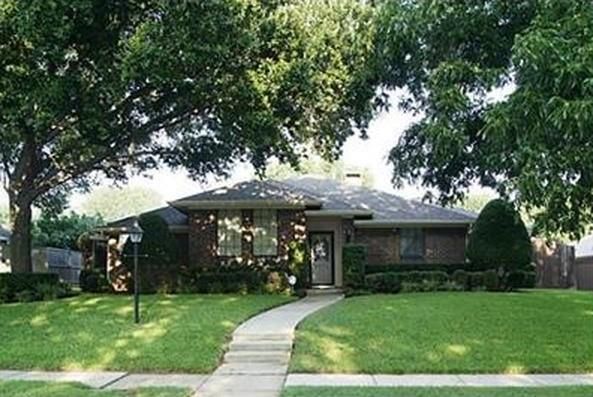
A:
<point x="257" y="220"/>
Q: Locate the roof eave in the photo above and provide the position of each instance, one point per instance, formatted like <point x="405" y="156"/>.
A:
<point x="348" y="214"/>
<point x="380" y="223"/>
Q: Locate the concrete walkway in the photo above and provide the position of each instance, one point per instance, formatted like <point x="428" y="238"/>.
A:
<point x="257" y="361"/>
<point x="439" y="380"/>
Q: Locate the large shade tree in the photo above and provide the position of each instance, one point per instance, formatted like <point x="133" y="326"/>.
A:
<point x="505" y="91"/>
<point x="95" y="88"/>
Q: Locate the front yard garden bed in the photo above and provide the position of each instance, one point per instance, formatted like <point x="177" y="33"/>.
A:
<point x="178" y="333"/>
<point x="479" y="332"/>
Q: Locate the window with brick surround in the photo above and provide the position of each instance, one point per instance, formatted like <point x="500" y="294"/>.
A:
<point x="265" y="232"/>
<point x="230" y="233"/>
<point x="411" y="244"/>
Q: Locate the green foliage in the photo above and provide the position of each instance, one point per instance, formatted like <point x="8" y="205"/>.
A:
<point x="19" y="388"/>
<point x="520" y="279"/>
<point x="492" y="281"/>
<point x="354" y="262"/>
<point x="93" y="280"/>
<point x="218" y="282"/>
<point x="388" y="283"/>
<point x="27" y="287"/>
<point x="158" y="246"/>
<point x="276" y="283"/>
<point x="475" y="202"/>
<point x="299" y="262"/>
<point x="505" y="90"/>
<point x="117" y="203"/>
<point x="421" y="267"/>
<point x="106" y="89"/>
<point x="498" y="239"/>
<point x="62" y="231"/>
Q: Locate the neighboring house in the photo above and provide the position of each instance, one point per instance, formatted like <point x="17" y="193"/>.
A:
<point x="4" y="239"/>
<point x="257" y="220"/>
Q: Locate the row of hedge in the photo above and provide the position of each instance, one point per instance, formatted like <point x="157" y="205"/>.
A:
<point x="460" y="280"/>
<point x="28" y="287"/>
<point x="224" y="280"/>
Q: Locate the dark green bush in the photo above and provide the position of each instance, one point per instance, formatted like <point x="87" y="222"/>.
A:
<point x="476" y="280"/>
<point x="159" y="255"/>
<point x="24" y="286"/>
<point x="418" y="277"/>
<point x="498" y="239"/>
<point x="520" y="279"/>
<point x="223" y="282"/>
<point x="492" y="281"/>
<point x="421" y="267"/>
<point x="383" y="283"/>
<point x="354" y="259"/>
<point x="93" y="280"/>
<point x="462" y="278"/>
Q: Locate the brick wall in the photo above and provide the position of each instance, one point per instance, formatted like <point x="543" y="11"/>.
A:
<point x="203" y="241"/>
<point x="382" y="245"/>
<point x="291" y="226"/>
<point x="441" y="245"/>
<point x="202" y="238"/>
<point x="445" y="245"/>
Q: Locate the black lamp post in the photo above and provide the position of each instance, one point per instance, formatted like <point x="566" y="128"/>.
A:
<point x="136" y="237"/>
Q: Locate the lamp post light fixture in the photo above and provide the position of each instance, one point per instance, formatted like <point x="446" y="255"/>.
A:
<point x="136" y="233"/>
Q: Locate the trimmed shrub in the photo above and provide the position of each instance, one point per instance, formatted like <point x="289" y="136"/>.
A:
<point x="476" y="280"/>
<point x="492" y="281"/>
<point x="354" y="259"/>
<point x="28" y="287"/>
<point x="383" y="283"/>
<point x="499" y="239"/>
<point x="462" y="278"/>
<point x="22" y="286"/>
<point x="434" y="277"/>
<point x="421" y="267"/>
<point x="93" y="280"/>
<point x="520" y="279"/>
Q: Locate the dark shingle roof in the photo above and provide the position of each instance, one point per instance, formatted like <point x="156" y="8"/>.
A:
<point x="385" y="206"/>
<point x="171" y="216"/>
<point x="4" y="234"/>
<point x="253" y="190"/>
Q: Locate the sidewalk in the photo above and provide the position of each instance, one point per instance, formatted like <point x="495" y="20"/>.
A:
<point x="440" y="380"/>
<point x="123" y="380"/>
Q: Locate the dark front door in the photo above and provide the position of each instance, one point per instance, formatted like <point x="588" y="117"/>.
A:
<point x="322" y="258"/>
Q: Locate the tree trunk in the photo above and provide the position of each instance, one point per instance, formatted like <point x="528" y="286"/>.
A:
<point x="20" y="241"/>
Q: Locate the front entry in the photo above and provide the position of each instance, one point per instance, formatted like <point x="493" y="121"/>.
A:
<point x="322" y="258"/>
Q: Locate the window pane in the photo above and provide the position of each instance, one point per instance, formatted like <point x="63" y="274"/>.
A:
<point x="229" y="233"/>
<point x="265" y="232"/>
<point x="412" y="243"/>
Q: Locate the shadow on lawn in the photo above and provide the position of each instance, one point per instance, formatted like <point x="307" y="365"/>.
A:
<point x="97" y="332"/>
<point x="539" y="332"/>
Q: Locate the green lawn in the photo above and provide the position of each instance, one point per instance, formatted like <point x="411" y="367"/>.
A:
<point x="43" y="389"/>
<point x="527" y="332"/>
<point x="437" y="392"/>
<point x="181" y="333"/>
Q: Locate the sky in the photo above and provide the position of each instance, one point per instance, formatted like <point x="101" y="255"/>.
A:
<point x="371" y="153"/>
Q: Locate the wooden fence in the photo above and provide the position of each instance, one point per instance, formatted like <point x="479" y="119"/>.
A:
<point x="555" y="265"/>
<point x="66" y="263"/>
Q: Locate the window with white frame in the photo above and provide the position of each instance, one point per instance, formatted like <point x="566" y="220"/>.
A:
<point x="230" y="233"/>
<point x="412" y="244"/>
<point x="265" y="232"/>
